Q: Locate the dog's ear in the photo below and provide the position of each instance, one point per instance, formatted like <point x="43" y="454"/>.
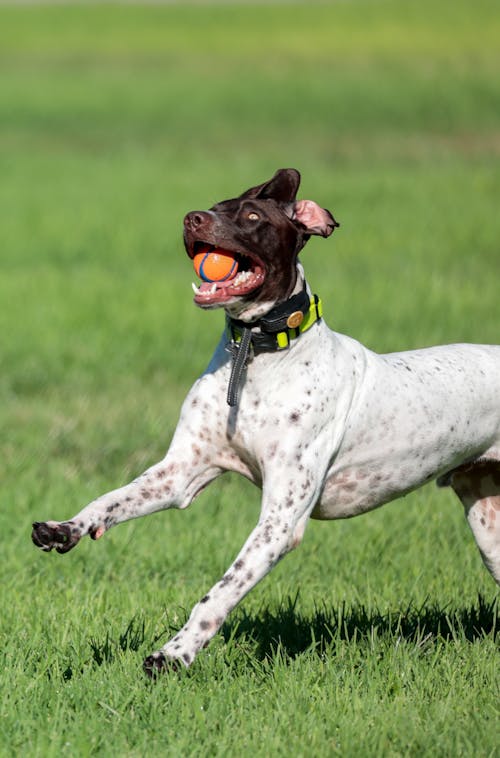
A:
<point x="282" y="187"/>
<point x="313" y="217"/>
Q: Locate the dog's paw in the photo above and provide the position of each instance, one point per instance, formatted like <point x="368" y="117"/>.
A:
<point x="157" y="664"/>
<point x="48" y="534"/>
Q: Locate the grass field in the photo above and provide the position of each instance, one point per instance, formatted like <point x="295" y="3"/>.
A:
<point x="378" y="637"/>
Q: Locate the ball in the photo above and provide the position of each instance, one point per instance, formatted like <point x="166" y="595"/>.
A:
<point x="215" y="265"/>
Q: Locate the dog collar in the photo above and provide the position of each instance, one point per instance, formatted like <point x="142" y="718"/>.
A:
<point x="277" y="329"/>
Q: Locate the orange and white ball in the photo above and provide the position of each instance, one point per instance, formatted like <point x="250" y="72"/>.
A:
<point x="215" y="265"/>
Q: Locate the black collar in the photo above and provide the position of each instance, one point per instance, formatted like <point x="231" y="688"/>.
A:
<point x="274" y="331"/>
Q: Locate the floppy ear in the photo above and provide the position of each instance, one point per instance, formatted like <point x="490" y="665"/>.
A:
<point x="282" y="187"/>
<point x="316" y="220"/>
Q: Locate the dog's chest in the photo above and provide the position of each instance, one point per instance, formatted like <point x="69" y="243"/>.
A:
<point x="289" y="402"/>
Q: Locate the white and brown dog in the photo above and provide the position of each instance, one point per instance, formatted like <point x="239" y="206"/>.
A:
<point x="327" y="428"/>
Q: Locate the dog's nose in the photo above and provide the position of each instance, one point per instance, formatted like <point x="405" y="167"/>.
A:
<point x="196" y="219"/>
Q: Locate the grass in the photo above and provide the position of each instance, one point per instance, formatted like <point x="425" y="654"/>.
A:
<point x="379" y="635"/>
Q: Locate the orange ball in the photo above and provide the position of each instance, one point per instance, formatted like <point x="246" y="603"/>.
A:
<point x="215" y="265"/>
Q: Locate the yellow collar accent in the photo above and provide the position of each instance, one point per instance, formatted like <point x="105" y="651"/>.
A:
<point x="298" y="323"/>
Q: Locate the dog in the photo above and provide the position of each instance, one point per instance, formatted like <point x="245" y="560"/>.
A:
<point x="325" y="427"/>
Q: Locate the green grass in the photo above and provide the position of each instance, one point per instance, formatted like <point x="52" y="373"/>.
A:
<point x="379" y="635"/>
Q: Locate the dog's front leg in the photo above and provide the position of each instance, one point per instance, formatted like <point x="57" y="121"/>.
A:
<point x="173" y="483"/>
<point x="280" y="528"/>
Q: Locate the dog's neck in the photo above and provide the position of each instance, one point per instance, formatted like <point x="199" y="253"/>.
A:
<point x="274" y="330"/>
<point x="250" y="313"/>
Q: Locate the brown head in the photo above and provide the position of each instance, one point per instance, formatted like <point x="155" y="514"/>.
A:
<point x="265" y="228"/>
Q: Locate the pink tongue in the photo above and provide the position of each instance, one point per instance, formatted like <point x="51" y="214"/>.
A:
<point x="208" y="286"/>
<point x="221" y="288"/>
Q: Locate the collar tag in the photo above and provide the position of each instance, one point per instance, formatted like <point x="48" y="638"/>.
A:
<point x="295" y="319"/>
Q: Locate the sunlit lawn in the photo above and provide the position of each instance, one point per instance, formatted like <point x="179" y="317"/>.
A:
<point x="376" y="637"/>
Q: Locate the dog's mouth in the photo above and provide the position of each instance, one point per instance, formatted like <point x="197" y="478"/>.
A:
<point x="248" y="277"/>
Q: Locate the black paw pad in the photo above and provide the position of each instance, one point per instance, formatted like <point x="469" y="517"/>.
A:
<point x="46" y="536"/>
<point x="157" y="664"/>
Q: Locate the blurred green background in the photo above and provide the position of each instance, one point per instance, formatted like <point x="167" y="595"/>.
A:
<point x="115" y="120"/>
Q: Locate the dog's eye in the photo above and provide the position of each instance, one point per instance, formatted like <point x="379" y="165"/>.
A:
<point x="253" y="216"/>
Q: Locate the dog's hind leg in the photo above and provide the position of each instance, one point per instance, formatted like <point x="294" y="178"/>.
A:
<point x="478" y="487"/>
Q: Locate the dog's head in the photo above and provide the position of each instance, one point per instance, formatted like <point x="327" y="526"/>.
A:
<point x="265" y="228"/>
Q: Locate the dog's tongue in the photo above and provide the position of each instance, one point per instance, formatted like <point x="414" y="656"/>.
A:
<point x="212" y="286"/>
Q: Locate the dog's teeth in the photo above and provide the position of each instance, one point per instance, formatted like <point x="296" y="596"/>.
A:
<point x="241" y="278"/>
<point x="213" y="289"/>
<point x="196" y="289"/>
